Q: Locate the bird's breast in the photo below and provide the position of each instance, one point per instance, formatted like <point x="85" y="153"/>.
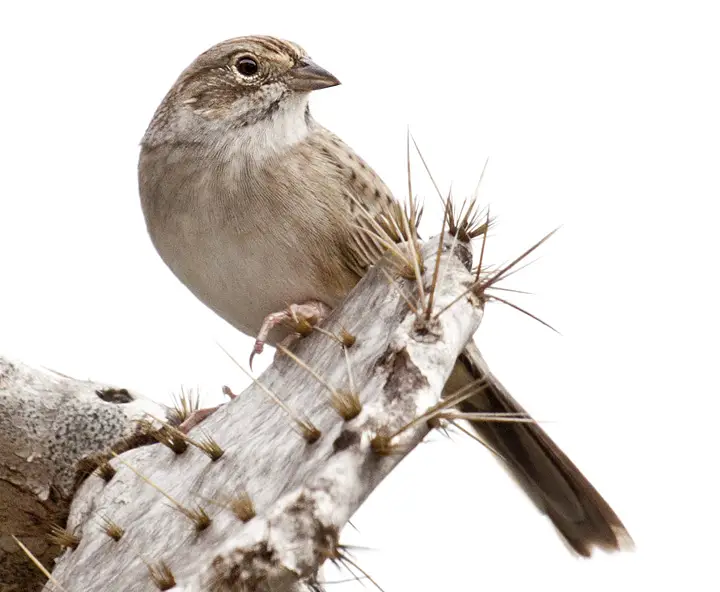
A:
<point x="242" y="240"/>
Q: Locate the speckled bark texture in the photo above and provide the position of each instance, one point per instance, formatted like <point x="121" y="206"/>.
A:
<point x="48" y="424"/>
<point x="303" y="492"/>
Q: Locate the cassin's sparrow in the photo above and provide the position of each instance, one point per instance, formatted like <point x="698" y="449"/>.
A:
<point x="253" y="205"/>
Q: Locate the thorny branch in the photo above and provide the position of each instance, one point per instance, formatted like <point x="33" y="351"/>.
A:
<point x="296" y="492"/>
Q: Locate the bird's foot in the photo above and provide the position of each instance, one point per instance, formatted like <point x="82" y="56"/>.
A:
<point x="301" y="318"/>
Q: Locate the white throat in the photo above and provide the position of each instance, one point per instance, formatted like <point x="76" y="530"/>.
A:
<point x="268" y="137"/>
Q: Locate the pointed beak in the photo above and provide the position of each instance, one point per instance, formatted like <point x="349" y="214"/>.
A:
<point x="306" y="75"/>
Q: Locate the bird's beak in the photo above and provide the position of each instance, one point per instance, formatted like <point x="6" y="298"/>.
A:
<point x="306" y="75"/>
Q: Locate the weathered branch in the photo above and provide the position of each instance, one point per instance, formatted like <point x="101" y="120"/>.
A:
<point x="303" y="492"/>
<point x="48" y="424"/>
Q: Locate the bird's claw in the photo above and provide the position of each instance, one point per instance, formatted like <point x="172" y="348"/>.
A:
<point x="299" y="317"/>
<point x="257" y="349"/>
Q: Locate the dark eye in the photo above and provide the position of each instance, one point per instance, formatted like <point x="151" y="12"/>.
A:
<point x="246" y="66"/>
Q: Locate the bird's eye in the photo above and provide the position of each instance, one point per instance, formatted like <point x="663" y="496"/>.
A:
<point x="246" y="66"/>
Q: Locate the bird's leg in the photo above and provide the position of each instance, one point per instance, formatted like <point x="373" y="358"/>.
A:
<point x="301" y="318"/>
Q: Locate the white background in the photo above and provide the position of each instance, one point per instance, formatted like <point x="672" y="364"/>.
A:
<point x="602" y="117"/>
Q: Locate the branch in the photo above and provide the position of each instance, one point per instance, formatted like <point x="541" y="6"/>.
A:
<point x="49" y="422"/>
<point x="179" y="513"/>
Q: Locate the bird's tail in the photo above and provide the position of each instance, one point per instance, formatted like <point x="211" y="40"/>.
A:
<point x="553" y="482"/>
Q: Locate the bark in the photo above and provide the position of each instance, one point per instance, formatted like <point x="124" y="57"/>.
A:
<point x="303" y="492"/>
<point x="49" y="423"/>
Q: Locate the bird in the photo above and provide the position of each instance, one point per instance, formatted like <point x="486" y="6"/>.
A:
<point x="253" y="205"/>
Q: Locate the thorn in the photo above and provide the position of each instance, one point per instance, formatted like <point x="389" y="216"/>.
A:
<point x="409" y="174"/>
<point x="477" y="438"/>
<point x="386" y="241"/>
<point x="484" y="240"/>
<point x="515" y="270"/>
<point x="347" y="338"/>
<point x="198" y="516"/>
<point x="400" y="291"/>
<point x="416" y="258"/>
<point x="311" y="434"/>
<point x="480" y="180"/>
<point x="436" y="271"/>
<point x="511" y="290"/>
<point x="440" y="425"/>
<point x="465" y="223"/>
<point x="468" y="203"/>
<point x="111" y="528"/>
<point x="499" y="274"/>
<point x="451" y="400"/>
<point x="355" y="528"/>
<point x="380" y="233"/>
<point x="173" y="441"/>
<point x="88" y="465"/>
<point x="308" y="431"/>
<point x="209" y="446"/>
<point x="161" y="576"/>
<point x="302" y="326"/>
<point x="492" y="417"/>
<point x="525" y="312"/>
<point x="351" y="382"/>
<point x="167" y="435"/>
<point x="382" y="442"/>
<point x="347" y="404"/>
<point x="37" y="563"/>
<point x="441" y="280"/>
<point x="106" y="471"/>
<point x="383" y="445"/>
<point x="314" y="585"/>
<point x="183" y="406"/>
<point x="419" y="210"/>
<point x="341" y="555"/>
<point x="242" y="506"/>
<point x="205" y="443"/>
<point x="427" y="169"/>
<point x="319" y="588"/>
<point x="479" y="287"/>
<point x="63" y="537"/>
<point x="95" y="464"/>
<point x="391" y="220"/>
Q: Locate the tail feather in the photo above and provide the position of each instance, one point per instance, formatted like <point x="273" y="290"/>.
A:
<point x="549" y="477"/>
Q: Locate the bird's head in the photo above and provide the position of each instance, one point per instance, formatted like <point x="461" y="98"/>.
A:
<point x="243" y="81"/>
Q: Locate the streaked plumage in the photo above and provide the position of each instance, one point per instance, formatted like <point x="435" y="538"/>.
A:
<point x="254" y="205"/>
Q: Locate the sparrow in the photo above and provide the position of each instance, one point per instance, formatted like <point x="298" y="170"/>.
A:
<point x="253" y="205"/>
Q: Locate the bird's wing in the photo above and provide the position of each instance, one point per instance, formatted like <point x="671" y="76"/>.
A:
<point x="376" y="218"/>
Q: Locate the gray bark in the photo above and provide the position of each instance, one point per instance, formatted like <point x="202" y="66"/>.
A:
<point x="49" y="423"/>
<point x="303" y="492"/>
